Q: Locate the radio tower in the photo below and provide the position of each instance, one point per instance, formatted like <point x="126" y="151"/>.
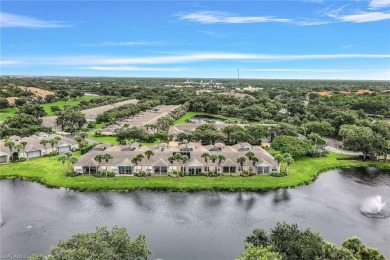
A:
<point x="238" y="76"/>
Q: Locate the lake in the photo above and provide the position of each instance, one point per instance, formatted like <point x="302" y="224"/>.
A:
<point x="200" y="225"/>
<point x="202" y="119"/>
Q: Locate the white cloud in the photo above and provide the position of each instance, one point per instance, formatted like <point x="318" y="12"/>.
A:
<point x="128" y="68"/>
<point x="13" y="20"/>
<point x="10" y="62"/>
<point x="224" y="17"/>
<point x="127" y="43"/>
<point x="193" y="58"/>
<point x="364" y="17"/>
<point x="311" y="23"/>
<point x="377" y="4"/>
<point x="213" y="34"/>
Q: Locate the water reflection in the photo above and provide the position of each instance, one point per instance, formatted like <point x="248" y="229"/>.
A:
<point x="212" y="199"/>
<point x="281" y="195"/>
<point x="144" y="204"/>
<point x="246" y="200"/>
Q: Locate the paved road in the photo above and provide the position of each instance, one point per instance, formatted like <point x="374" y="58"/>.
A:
<point x="333" y="144"/>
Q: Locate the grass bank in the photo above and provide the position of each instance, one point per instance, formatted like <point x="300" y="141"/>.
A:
<point x="4" y="113"/>
<point x="190" y="115"/>
<point x="49" y="171"/>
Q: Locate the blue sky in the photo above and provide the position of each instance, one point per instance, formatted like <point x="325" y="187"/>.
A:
<point x="312" y="39"/>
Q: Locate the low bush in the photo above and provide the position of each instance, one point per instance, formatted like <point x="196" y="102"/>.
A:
<point x="72" y="174"/>
<point x="278" y="174"/>
<point x="87" y="148"/>
<point x="104" y="174"/>
<point x="247" y="174"/>
<point x="142" y="174"/>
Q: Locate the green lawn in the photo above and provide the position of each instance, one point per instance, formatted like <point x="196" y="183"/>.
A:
<point x="190" y="115"/>
<point x="112" y="140"/>
<point x="103" y="139"/>
<point x="49" y="171"/>
<point x="4" y="113"/>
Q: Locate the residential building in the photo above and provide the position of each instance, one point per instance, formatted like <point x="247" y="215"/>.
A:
<point x="122" y="162"/>
<point x="34" y="148"/>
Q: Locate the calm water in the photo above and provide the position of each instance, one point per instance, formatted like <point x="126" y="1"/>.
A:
<point x="201" y="119"/>
<point x="202" y="225"/>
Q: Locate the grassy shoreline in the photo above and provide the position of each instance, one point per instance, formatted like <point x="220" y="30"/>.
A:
<point x="49" y="172"/>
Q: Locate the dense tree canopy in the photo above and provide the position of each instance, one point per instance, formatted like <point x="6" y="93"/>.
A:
<point x="99" y="245"/>
<point x="292" y="145"/>
<point x="290" y="242"/>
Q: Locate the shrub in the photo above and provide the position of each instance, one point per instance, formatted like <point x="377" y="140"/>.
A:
<point x="142" y="174"/>
<point x="103" y="174"/>
<point x="98" y="133"/>
<point x="87" y="148"/>
<point x="72" y="174"/>
<point x="278" y="174"/>
<point x="212" y="174"/>
<point x="91" y="124"/>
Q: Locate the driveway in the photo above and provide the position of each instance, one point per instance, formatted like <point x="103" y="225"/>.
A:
<point x="332" y="145"/>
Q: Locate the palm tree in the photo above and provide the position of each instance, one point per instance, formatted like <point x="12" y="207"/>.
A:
<point x="185" y="159"/>
<point x="149" y="153"/>
<point x="289" y="160"/>
<point x="44" y="142"/>
<point x="52" y="143"/>
<point x="250" y="154"/>
<point x="10" y="146"/>
<point x="205" y="156"/>
<point x="18" y="147"/>
<point x="83" y="135"/>
<point x="221" y="158"/>
<point x="241" y="160"/>
<point x="72" y="160"/>
<point x="56" y="140"/>
<point x="254" y="160"/>
<point x="314" y="137"/>
<point x="178" y="157"/>
<point x="134" y="160"/>
<point x="138" y="158"/>
<point x="171" y="159"/>
<point x="279" y="159"/>
<point x="107" y="157"/>
<point x="63" y="158"/>
<point x="214" y="158"/>
<point x="99" y="158"/>
<point x="23" y="145"/>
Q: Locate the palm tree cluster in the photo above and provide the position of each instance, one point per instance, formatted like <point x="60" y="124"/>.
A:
<point x="219" y="158"/>
<point x="80" y="139"/>
<point x="17" y="146"/>
<point x="66" y="159"/>
<point x="286" y="157"/>
<point x="104" y="157"/>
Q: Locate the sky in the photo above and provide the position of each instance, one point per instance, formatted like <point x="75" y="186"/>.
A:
<point x="308" y="39"/>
